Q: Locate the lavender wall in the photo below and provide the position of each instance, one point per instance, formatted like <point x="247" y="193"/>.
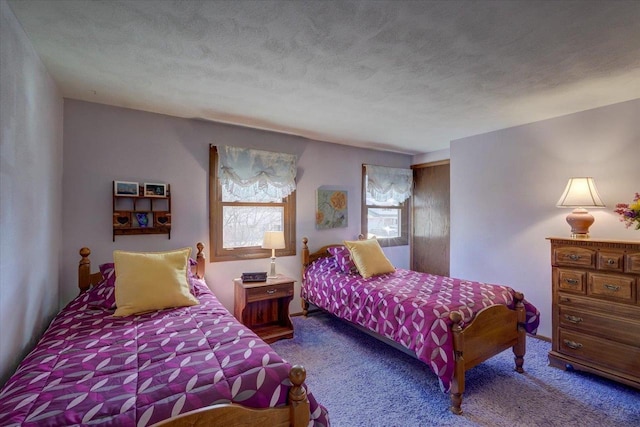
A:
<point x="505" y="185"/>
<point x="103" y="143"/>
<point x="30" y="194"/>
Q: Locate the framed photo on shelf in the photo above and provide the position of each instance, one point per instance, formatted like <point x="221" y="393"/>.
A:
<point x="125" y="188"/>
<point x="155" y="190"/>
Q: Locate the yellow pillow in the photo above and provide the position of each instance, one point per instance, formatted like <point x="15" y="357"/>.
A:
<point x="148" y="281"/>
<point x="369" y="258"/>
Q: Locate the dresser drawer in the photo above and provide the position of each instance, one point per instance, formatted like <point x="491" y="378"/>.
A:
<point x="619" y="288"/>
<point x="605" y="353"/>
<point x="619" y="329"/>
<point x="269" y="292"/>
<point x="610" y="261"/>
<point x="632" y="263"/>
<point x="572" y="280"/>
<point x="570" y="256"/>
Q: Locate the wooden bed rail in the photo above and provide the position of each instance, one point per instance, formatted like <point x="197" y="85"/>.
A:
<point x="87" y="279"/>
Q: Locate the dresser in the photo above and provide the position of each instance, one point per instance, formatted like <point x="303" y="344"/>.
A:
<point x="596" y="307"/>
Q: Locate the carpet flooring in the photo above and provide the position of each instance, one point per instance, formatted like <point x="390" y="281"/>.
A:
<point x="363" y="382"/>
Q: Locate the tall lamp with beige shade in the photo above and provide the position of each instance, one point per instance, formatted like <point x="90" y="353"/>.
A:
<point x="273" y="240"/>
<point x="579" y="194"/>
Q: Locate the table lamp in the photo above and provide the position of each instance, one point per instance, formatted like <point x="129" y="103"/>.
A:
<point x="273" y="240"/>
<point x="579" y="194"/>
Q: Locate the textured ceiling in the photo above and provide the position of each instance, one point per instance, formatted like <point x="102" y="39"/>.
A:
<point x="406" y="76"/>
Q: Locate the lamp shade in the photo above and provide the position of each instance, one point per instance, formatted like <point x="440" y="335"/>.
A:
<point x="273" y="240"/>
<point x="580" y="192"/>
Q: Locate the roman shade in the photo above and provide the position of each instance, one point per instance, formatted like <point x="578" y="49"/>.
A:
<point x="245" y="172"/>
<point x="385" y="183"/>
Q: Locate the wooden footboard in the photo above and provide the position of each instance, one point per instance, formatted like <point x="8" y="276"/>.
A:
<point x="493" y="330"/>
<point x="296" y="414"/>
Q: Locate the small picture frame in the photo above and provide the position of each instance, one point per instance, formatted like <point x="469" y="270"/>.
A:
<point x="155" y="190"/>
<point x="125" y="188"/>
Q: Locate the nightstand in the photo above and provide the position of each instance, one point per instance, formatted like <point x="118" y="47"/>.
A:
<point x="264" y="307"/>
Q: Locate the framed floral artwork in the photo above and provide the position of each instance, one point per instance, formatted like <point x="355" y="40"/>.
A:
<point x="331" y="208"/>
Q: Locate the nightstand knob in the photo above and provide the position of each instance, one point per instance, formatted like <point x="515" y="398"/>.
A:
<point x="271" y="291"/>
<point x="610" y="262"/>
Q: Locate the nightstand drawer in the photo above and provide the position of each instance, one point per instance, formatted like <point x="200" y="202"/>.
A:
<point x="269" y="292"/>
<point x="572" y="280"/>
<point x="620" y="288"/>
<point x="608" y="354"/>
<point x="579" y="257"/>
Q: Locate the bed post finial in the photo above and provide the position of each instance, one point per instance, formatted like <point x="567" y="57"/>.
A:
<point x="298" y="397"/>
<point x="200" y="260"/>
<point x="84" y="270"/>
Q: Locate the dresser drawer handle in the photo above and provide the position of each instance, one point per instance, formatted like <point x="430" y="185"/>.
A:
<point x="574" y="257"/>
<point x="573" y="319"/>
<point x="565" y="299"/>
<point x="612" y="287"/>
<point x="572" y="344"/>
<point x="610" y="261"/>
<point x="572" y="281"/>
<point x="271" y="291"/>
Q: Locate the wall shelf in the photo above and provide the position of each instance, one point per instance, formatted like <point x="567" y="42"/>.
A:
<point x="135" y="215"/>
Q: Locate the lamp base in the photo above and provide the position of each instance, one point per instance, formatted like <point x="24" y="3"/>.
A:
<point x="580" y="220"/>
<point x="272" y="270"/>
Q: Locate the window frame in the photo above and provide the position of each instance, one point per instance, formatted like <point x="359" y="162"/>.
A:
<point x="218" y="252"/>
<point x="403" y="239"/>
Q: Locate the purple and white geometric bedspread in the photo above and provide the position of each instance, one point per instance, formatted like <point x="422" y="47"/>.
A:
<point x="408" y="307"/>
<point x="92" y="368"/>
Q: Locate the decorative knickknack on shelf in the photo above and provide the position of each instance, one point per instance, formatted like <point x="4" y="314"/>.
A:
<point x="141" y="209"/>
<point x="142" y="218"/>
<point x="630" y="213"/>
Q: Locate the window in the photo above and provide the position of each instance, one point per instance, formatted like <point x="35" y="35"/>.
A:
<point x="385" y="200"/>
<point x="250" y="192"/>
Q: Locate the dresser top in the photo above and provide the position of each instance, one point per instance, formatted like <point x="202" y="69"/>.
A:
<point x="569" y="239"/>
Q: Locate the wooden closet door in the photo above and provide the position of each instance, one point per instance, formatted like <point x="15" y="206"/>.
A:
<point x="430" y="240"/>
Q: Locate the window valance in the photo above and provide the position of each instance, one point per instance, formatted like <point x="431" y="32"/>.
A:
<point x="385" y="183"/>
<point x="245" y="172"/>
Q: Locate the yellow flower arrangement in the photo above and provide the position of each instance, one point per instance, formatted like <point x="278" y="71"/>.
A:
<point x="630" y="213"/>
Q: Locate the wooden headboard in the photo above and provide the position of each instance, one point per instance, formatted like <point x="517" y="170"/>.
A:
<point x="87" y="279"/>
<point x="308" y="258"/>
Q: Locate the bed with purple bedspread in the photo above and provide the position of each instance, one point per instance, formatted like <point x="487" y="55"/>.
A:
<point x="408" y="307"/>
<point x="93" y="368"/>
